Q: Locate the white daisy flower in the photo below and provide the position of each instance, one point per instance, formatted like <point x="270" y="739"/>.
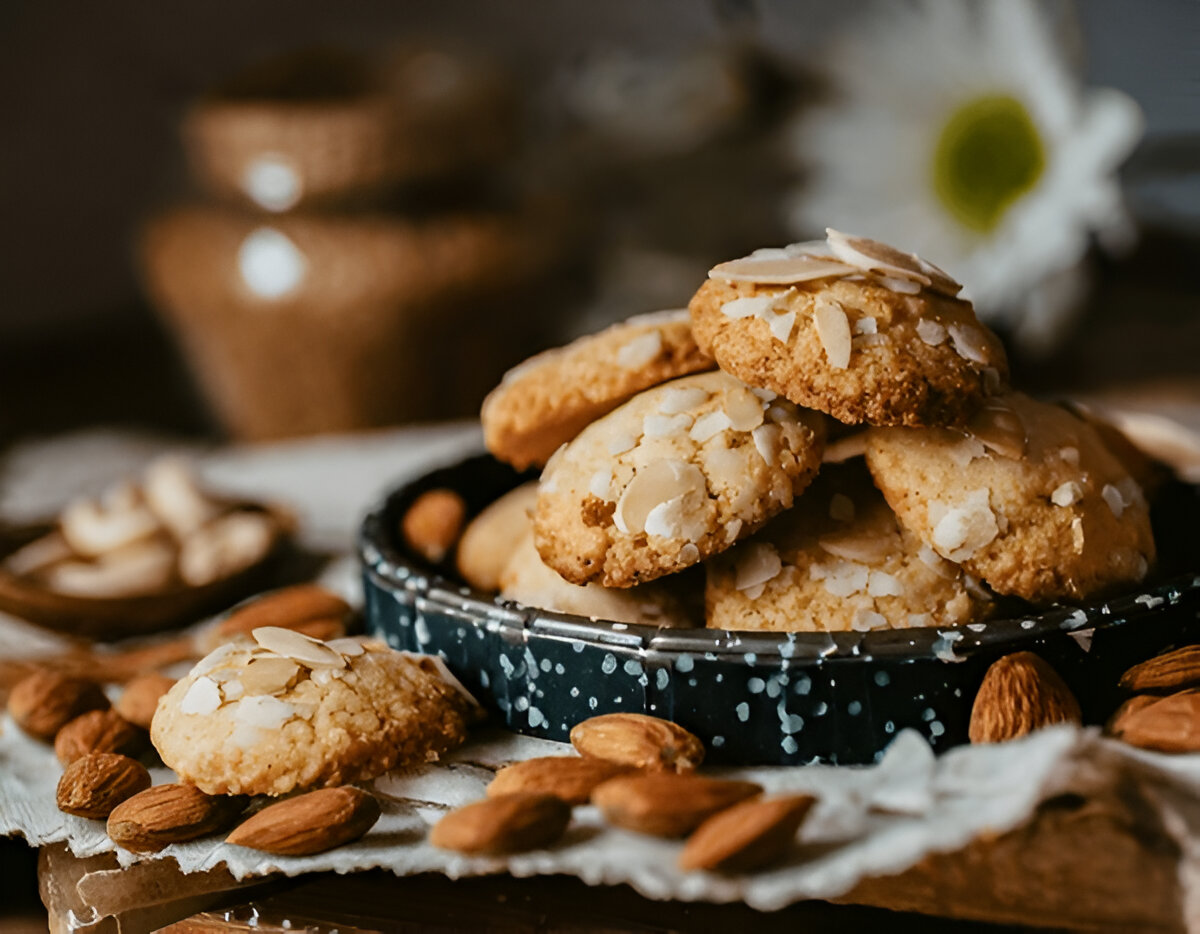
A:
<point x="960" y="131"/>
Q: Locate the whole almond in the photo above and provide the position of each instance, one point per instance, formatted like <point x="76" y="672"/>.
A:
<point x="165" y="814"/>
<point x="94" y="784"/>
<point x="508" y="823"/>
<point x="99" y="731"/>
<point x="1019" y="694"/>
<point x="286" y="608"/>
<point x="571" y="778"/>
<point x="1171" y="671"/>
<point x="139" y="700"/>
<point x="43" y="702"/>
<point x="639" y="741"/>
<point x="665" y="804"/>
<point x="309" y="823"/>
<point x="748" y="836"/>
<point x="1169" y="724"/>
<point x="1116" y="723"/>
<point x="433" y="523"/>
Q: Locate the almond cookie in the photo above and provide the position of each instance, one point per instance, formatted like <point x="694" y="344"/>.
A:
<point x="680" y="472"/>
<point x="838" y="560"/>
<point x="551" y="397"/>
<point x="527" y="580"/>
<point x="866" y="334"/>
<point x="487" y="542"/>
<point x="281" y="712"/>
<point x="1028" y="499"/>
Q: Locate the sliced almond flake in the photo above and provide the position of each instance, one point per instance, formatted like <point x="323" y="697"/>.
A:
<point x="1112" y="496"/>
<point x="766" y="395"/>
<point x="940" y="280"/>
<point x="1069" y="455"/>
<point x="862" y="341"/>
<point x="323" y="676"/>
<point x="214" y="658"/>
<point x="298" y="647"/>
<point x="666" y="519"/>
<point x="781" y="326"/>
<point x="976" y="589"/>
<point x="780" y="413"/>
<point x="743" y="408"/>
<point x="1067" y="494"/>
<point x="245" y="736"/>
<point x="866" y="620"/>
<point x="833" y="330"/>
<point x="999" y="426"/>
<point x="202" y="698"/>
<point x="843" y="578"/>
<point x="674" y="400"/>
<point x="873" y="256"/>
<point x="970" y="344"/>
<point x="618" y="443"/>
<point x="733" y="528"/>
<point x="689" y="554"/>
<point x="665" y="426"/>
<point x="866" y="325"/>
<point x="1131" y="492"/>
<point x="1077" y="534"/>
<point x="767" y="443"/>
<point x="883" y="584"/>
<point x="600" y="483"/>
<point x="38" y="554"/>
<point x="757" y="564"/>
<point x="841" y="508"/>
<point x="709" y="426"/>
<point x="750" y="306"/>
<point x="263" y="711"/>
<point x="960" y="530"/>
<point x="855" y="445"/>
<point x="964" y="451"/>
<point x="896" y="284"/>
<point x="931" y="332"/>
<point x="268" y="675"/>
<point x="223" y="674"/>
<point x="917" y="620"/>
<point x="657" y="482"/>
<point x="858" y="547"/>
<point x="232" y="690"/>
<point x="436" y="665"/>
<point x="640" y="350"/>
<point x="776" y="270"/>
<point x="936" y="563"/>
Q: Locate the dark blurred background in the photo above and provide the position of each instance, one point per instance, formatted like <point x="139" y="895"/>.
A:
<point x="91" y="95"/>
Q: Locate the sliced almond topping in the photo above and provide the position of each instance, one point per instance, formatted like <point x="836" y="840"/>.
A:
<point x="883" y="584"/>
<point x="709" y="426"/>
<point x="202" y="698"/>
<point x="658" y="482"/>
<point x="842" y="578"/>
<point x="857" y="547"/>
<point x="767" y="441"/>
<point x="743" y="408"/>
<point x="298" y="647"/>
<point x="640" y="350"/>
<point x="674" y="400"/>
<point x="961" y="530"/>
<point x="865" y="620"/>
<point x="91" y="529"/>
<point x="1000" y="428"/>
<point x="970" y="344"/>
<point x="664" y="426"/>
<point x="264" y="711"/>
<point x="902" y="286"/>
<point x="618" y="443"/>
<point x="779" y="270"/>
<point x="843" y="449"/>
<point x="833" y="330"/>
<point x="1116" y="502"/>
<point x="757" y="564"/>
<point x="38" y="554"/>
<point x="1067" y="494"/>
<point x="600" y="483"/>
<point x="931" y="332"/>
<point x="873" y="256"/>
<point x="268" y="675"/>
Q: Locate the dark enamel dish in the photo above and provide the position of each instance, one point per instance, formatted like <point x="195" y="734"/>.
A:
<point x="753" y="697"/>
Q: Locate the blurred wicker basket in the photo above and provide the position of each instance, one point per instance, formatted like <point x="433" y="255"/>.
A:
<point x="321" y="127"/>
<point x="302" y="324"/>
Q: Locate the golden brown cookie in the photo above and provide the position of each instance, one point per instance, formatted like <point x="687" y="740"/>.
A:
<point x="527" y="580"/>
<point x="877" y="342"/>
<point x="487" y="543"/>
<point x="282" y="712"/>
<point x="550" y="398"/>
<point x="680" y="472"/>
<point x="838" y="560"/>
<point x="1028" y="499"/>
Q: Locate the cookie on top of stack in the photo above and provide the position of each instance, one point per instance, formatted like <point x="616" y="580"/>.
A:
<point x="682" y="439"/>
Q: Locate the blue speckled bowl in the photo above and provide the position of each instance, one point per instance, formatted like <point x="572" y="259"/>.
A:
<point x="754" y="697"/>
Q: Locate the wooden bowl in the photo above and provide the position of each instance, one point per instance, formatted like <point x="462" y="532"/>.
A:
<point x="118" y="617"/>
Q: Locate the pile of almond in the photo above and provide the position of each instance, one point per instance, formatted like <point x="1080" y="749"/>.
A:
<point x="640" y="772"/>
<point x="100" y="746"/>
<point x="1021" y="693"/>
<point x="146" y="538"/>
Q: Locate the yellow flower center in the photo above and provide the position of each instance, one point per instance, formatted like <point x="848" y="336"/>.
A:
<point x="988" y="155"/>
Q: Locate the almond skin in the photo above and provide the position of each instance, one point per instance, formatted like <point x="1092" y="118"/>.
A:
<point x="94" y="784"/>
<point x="665" y="804"/>
<point x="1116" y="723"/>
<point x="1019" y="694"/>
<point x="166" y="814"/>
<point x="509" y="823"/>
<point x="748" y="836"/>
<point x="638" y="741"/>
<point x="433" y="523"/>
<point x="571" y="778"/>
<point x="43" y="702"/>
<point x="309" y="823"/>
<point x="1169" y="724"/>
<point x="139" y="700"/>
<point x="1166" y="673"/>
<point x="286" y="608"/>
<point x="99" y="731"/>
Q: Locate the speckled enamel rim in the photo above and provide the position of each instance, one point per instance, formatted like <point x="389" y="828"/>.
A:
<point x="394" y="570"/>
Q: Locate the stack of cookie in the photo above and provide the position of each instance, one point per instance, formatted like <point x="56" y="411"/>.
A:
<point x="829" y="431"/>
